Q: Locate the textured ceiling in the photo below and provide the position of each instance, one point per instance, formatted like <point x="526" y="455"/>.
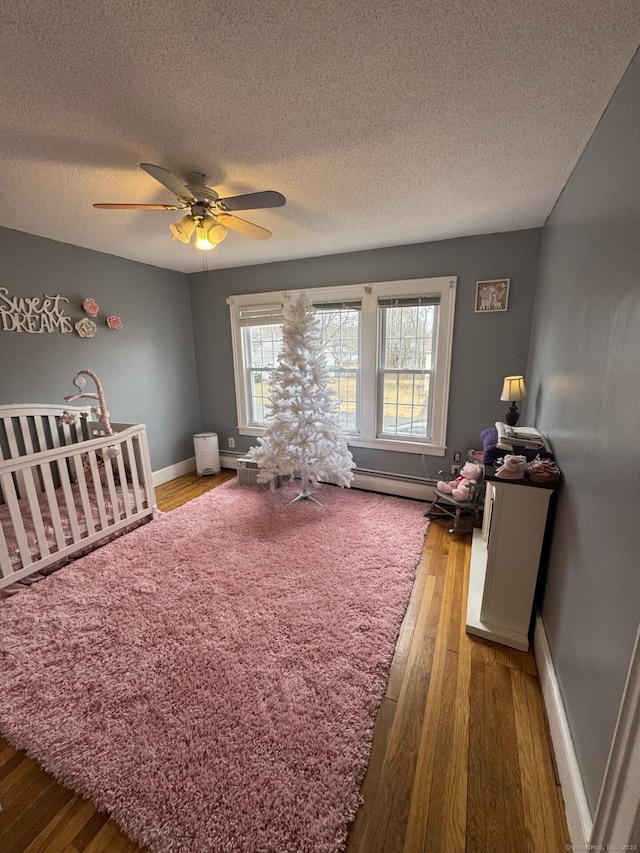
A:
<point x="383" y="123"/>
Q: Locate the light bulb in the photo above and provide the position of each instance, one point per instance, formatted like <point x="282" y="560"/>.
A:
<point x="202" y="241"/>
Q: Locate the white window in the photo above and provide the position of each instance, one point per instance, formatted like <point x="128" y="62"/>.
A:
<point x="408" y="329"/>
<point x="340" y="323"/>
<point x="388" y="348"/>
<point x="261" y="340"/>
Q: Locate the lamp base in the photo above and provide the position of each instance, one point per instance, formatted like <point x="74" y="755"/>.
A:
<point x="512" y="415"/>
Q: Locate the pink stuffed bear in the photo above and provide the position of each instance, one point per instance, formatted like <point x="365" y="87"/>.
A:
<point x="461" y="489"/>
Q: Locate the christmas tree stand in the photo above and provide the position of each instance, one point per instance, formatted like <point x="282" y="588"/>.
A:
<point x="305" y="493"/>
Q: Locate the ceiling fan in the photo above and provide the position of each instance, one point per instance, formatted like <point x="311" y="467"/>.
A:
<point x="208" y="215"/>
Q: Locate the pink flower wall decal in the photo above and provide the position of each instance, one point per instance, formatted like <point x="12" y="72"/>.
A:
<point x="91" y="307"/>
<point x="114" y="323"/>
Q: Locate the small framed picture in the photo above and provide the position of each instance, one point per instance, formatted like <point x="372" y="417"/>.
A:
<point x="492" y="295"/>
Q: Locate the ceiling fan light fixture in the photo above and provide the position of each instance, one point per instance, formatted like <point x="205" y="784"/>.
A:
<point x="183" y="228"/>
<point x="202" y="240"/>
<point x="209" y="215"/>
<point x="216" y="233"/>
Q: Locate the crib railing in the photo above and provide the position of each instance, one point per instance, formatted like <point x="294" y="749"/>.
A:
<point x="28" y="429"/>
<point x="87" y="487"/>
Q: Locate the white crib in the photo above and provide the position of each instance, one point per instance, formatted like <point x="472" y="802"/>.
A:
<point x="65" y="488"/>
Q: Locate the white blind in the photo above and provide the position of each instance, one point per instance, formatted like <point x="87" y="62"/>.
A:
<point x="354" y="305"/>
<point x="263" y="315"/>
<point x="408" y="301"/>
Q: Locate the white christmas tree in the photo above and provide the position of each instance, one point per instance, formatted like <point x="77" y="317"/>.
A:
<point x="303" y="435"/>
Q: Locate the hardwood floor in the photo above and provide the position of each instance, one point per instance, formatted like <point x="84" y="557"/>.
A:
<point x="177" y="492"/>
<point x="461" y="758"/>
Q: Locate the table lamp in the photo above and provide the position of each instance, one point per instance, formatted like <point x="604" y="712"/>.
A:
<point x="512" y="390"/>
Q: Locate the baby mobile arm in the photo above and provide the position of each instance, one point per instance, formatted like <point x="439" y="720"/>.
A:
<point x="101" y="413"/>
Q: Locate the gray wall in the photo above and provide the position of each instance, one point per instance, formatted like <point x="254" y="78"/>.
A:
<point x="487" y="347"/>
<point x="147" y="369"/>
<point x="584" y="372"/>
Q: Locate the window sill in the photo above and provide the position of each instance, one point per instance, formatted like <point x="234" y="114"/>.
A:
<point x="249" y="430"/>
<point x="388" y="444"/>
<point x="397" y="446"/>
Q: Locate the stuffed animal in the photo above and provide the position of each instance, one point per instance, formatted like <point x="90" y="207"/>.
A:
<point x="462" y="488"/>
<point x="512" y="468"/>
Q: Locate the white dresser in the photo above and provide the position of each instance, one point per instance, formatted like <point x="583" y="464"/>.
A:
<point x="505" y="557"/>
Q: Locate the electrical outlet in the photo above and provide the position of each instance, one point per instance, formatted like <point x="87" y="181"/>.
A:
<point x="232" y="443"/>
<point x="455" y="470"/>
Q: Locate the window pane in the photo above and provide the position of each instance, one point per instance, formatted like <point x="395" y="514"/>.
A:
<point x="341" y="333"/>
<point x="260" y="395"/>
<point x="408" y="337"/>
<point x="262" y="345"/>
<point x="405" y="410"/>
<point x="406" y="364"/>
<point x="345" y="384"/>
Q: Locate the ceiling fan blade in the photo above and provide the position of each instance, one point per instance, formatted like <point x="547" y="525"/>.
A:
<point x="247" y="228"/>
<point x="137" y="206"/>
<point x="168" y="180"/>
<point x="252" y="201"/>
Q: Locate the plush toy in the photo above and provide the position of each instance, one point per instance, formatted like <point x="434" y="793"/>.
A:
<point x="512" y="468"/>
<point x="462" y="487"/>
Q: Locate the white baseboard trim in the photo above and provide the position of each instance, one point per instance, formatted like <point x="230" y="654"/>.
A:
<point x="579" y="821"/>
<point x="173" y="471"/>
<point x="617" y="816"/>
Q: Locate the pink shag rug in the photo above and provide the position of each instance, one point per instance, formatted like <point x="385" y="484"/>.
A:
<point x="211" y="679"/>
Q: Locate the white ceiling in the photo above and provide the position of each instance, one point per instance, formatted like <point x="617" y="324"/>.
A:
<point x="383" y="122"/>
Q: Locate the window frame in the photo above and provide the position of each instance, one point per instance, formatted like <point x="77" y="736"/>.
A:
<point x="443" y="287"/>
<point x="242" y="370"/>
<point x="383" y="372"/>
<point x="328" y="305"/>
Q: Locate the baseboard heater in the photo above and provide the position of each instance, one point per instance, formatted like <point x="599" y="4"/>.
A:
<point x="402" y="485"/>
<point x="367" y="479"/>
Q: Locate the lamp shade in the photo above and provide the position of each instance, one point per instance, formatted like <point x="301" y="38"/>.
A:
<point x="513" y="388"/>
<point x="183" y="228"/>
<point x="216" y="233"/>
